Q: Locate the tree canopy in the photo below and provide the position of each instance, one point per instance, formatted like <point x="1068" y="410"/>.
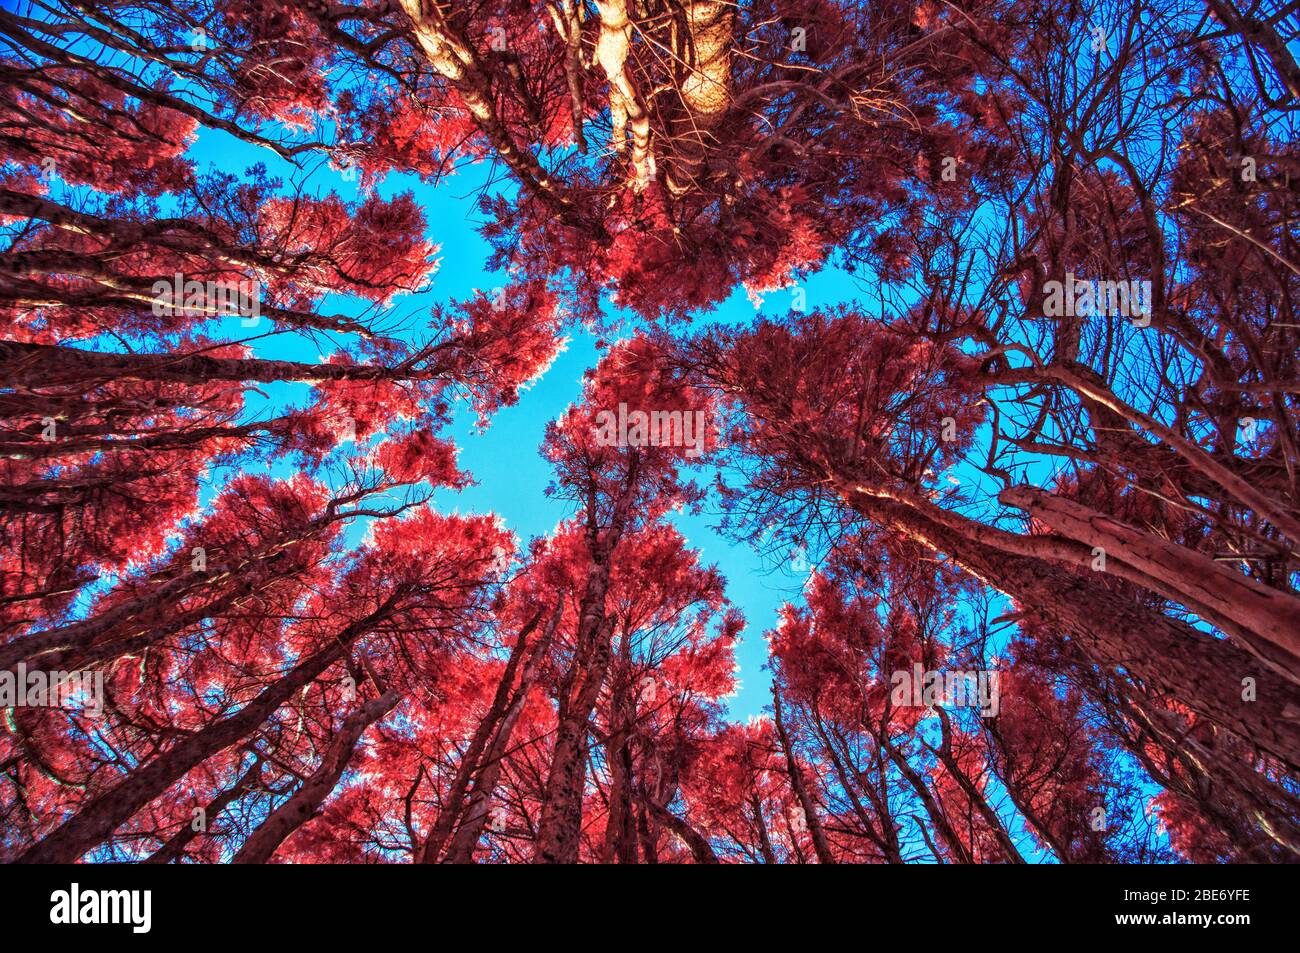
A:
<point x="1042" y="472"/>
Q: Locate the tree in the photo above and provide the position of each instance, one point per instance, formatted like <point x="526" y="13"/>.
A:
<point x="839" y="418"/>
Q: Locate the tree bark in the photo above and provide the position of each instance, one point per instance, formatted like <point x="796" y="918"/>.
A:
<point x="304" y="804"/>
<point x="474" y="817"/>
<point x="52" y="365"/>
<point x="471" y="761"/>
<point x="560" y="825"/>
<point x="820" y="844"/>
<point x="97" y="819"/>
<point x="1265" y="620"/>
<point x="1173" y="659"/>
<point x="696" y="842"/>
<point x="175" y="846"/>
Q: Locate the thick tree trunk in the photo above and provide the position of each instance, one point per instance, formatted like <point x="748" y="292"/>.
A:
<point x="626" y="109"/>
<point x="1173" y="659"/>
<point x="1255" y="815"/>
<point x="52" y="365"/>
<point x="705" y="89"/>
<point x="175" y="846"/>
<point x="620" y="826"/>
<point x="1265" y="620"/>
<point x="560" y="826"/>
<point x="304" y="803"/>
<point x="97" y="819"/>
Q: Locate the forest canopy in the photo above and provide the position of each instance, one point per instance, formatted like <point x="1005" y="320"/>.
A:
<point x="1039" y="470"/>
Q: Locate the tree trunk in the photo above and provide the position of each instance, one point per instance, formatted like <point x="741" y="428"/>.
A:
<point x="1265" y="620"/>
<point x="52" y="365"/>
<point x="620" y="826"/>
<point x="696" y="842"/>
<point x="306" y="801"/>
<point x="560" y="825"/>
<point x="1173" y="659"/>
<point x="467" y="822"/>
<point x="175" y="846"/>
<point x="938" y="816"/>
<point x="806" y="802"/>
<point x="974" y="794"/>
<point x="97" y="820"/>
